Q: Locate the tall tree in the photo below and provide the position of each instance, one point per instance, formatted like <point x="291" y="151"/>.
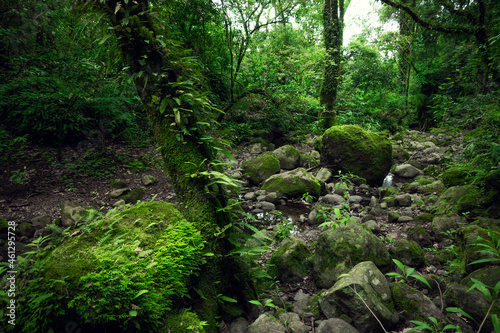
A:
<point x="333" y="29"/>
<point x="167" y="85"/>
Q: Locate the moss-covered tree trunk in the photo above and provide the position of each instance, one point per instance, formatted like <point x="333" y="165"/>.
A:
<point x="333" y="22"/>
<point x="169" y="99"/>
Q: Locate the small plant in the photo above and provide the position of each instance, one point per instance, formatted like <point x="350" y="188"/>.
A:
<point x="387" y="239"/>
<point x="407" y="273"/>
<point x="306" y="197"/>
<point x="19" y="176"/>
<point x="490" y="246"/>
<point x="284" y="229"/>
<point x="435" y="328"/>
<point x="339" y="218"/>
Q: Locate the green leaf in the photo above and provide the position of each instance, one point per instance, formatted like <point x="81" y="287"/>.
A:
<point x="483" y="260"/>
<point x="141" y="293"/>
<point x="255" y="302"/>
<point x="458" y="310"/>
<point x="396" y="275"/>
<point x="132" y="313"/>
<point x="399" y="264"/>
<point x="496" y="323"/>
<point x="421" y="279"/>
<point x="420" y="326"/>
<point x="228" y="299"/>
<point x="163" y="105"/>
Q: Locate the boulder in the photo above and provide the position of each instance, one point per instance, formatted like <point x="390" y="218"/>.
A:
<point x="403" y="200"/>
<point x="134" y="195"/>
<point x="145" y="238"/>
<point x="408" y="252"/>
<point x="266" y="323"/>
<point x="293" y="184"/>
<point x="71" y="213"/>
<point x="261" y="167"/>
<point x="364" y="286"/>
<point x="335" y="325"/>
<point x="293" y="322"/>
<point x="149" y="180"/>
<point x="324" y="175"/>
<point x="41" y="221"/>
<point x="338" y="249"/>
<point x="407" y="171"/>
<point x="289" y="263"/>
<point x="288" y="156"/>
<point x="349" y="148"/>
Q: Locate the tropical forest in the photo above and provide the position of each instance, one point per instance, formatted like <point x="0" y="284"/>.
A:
<point x="249" y="166"/>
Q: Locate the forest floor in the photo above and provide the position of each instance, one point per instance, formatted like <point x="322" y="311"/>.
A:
<point x="43" y="185"/>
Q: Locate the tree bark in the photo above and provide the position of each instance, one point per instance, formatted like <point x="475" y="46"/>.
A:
<point x="333" y="12"/>
<point x="159" y="77"/>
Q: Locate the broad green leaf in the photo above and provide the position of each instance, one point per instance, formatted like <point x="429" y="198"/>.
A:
<point x="228" y="299"/>
<point x="459" y="310"/>
<point x="132" y="313"/>
<point x="399" y="264"/>
<point x="496" y="323"/>
<point x="421" y="279"/>
<point x="255" y="302"/>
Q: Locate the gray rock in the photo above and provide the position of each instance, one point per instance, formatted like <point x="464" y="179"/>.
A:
<point x="25" y="229"/>
<point x="272" y="197"/>
<point x="307" y="307"/>
<point x="403" y="200"/>
<point x="249" y="196"/>
<point x="293" y="322"/>
<point x="71" y="213"/>
<point x="335" y="325"/>
<point x="41" y="221"/>
<point x="337" y="250"/>
<point x="119" y="192"/>
<point x="149" y="180"/>
<point x="372" y="225"/>
<point x="332" y="199"/>
<point x="407" y="171"/>
<point x="324" y="175"/>
<point x="370" y="285"/>
<point x="288" y="157"/>
<point x="444" y="223"/>
<point x="238" y="325"/>
<point x="392" y="217"/>
<point x="266" y="323"/>
<point x="264" y="205"/>
<point x="405" y="219"/>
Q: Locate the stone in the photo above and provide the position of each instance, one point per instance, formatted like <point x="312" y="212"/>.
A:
<point x="349" y="148"/>
<point x="25" y="229"/>
<point x="272" y="197"/>
<point x="71" y="213"/>
<point x="118" y="184"/>
<point x="119" y="192"/>
<point x="367" y="282"/>
<point x="392" y="217"/>
<point x="288" y="157"/>
<point x="407" y="171"/>
<point x="261" y="167"/>
<point x="408" y="252"/>
<point x="324" y="175"/>
<point x="458" y="175"/>
<point x="149" y="180"/>
<point x="403" y="200"/>
<point x="41" y="221"/>
<point x="238" y="325"/>
<point x="293" y="322"/>
<point x="264" y="205"/>
<point x="134" y="195"/>
<point x="289" y="263"/>
<point x="307" y="307"/>
<point x="293" y="184"/>
<point x="332" y="199"/>
<point x="338" y="249"/>
<point x="372" y="225"/>
<point x="444" y="223"/>
<point x="249" y="196"/>
<point x="405" y="219"/>
<point x="335" y="325"/>
<point x="266" y="323"/>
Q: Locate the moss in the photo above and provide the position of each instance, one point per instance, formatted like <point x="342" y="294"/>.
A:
<point x="289" y="263"/>
<point x="118" y="183"/>
<point x="318" y="143"/>
<point x="424" y="218"/>
<point x="492" y="179"/>
<point x="134" y="195"/>
<point x="293" y="184"/>
<point x="409" y="253"/>
<point x="459" y="175"/>
<point x="4" y="224"/>
<point x="260" y="168"/>
<point x="404" y="300"/>
<point x="424" y="181"/>
<point x="351" y="149"/>
<point x="185" y="322"/>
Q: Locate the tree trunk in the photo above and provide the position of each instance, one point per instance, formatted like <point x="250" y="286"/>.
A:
<point x="332" y="34"/>
<point x="157" y="70"/>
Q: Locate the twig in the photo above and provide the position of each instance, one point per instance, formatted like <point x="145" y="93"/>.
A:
<point x="486" y="317"/>
<point x="361" y="298"/>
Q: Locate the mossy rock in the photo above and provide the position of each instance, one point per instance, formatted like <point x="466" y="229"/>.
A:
<point x="458" y="175"/>
<point x="351" y="149"/>
<point x="118" y="183"/>
<point x="424" y="218"/>
<point x="288" y="156"/>
<point x="492" y="179"/>
<point x="413" y="304"/>
<point x="261" y="167"/>
<point x="447" y="201"/>
<point x="134" y="195"/>
<point x="132" y="266"/>
<point x="289" y="263"/>
<point x="337" y="250"/>
<point x="293" y="184"/>
<point x="185" y="322"/>
<point x="408" y="252"/>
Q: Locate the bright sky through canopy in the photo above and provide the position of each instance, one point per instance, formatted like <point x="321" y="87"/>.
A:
<point x="361" y="13"/>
